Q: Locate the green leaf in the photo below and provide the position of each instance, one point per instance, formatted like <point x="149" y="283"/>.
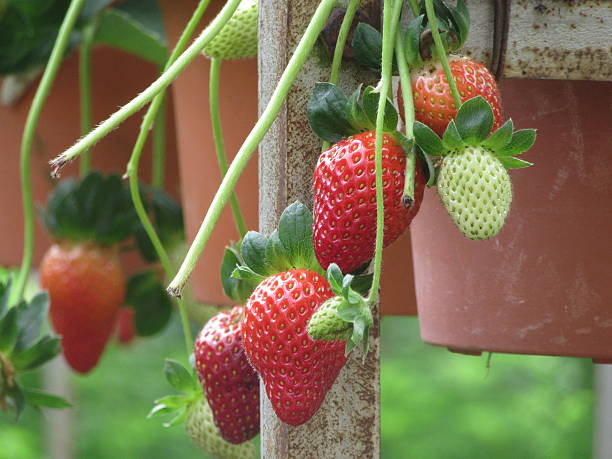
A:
<point x="521" y="141"/>
<point x="30" y="319"/>
<point x="500" y="137"/>
<point x="276" y="255"/>
<point x="452" y="139"/>
<point x="17" y="398"/>
<point x="135" y="29"/>
<point x="370" y="106"/>
<point x="356" y="114"/>
<point x="160" y="410"/>
<point x="152" y="306"/>
<point x="459" y="16"/>
<point x="474" y="120"/>
<point x="5" y="293"/>
<point x="406" y="143"/>
<point x="510" y="162"/>
<point x="178" y="419"/>
<point x="236" y="289"/>
<point x="335" y="278"/>
<point x="327" y="113"/>
<point x="362" y="283"/>
<point x="36" y="397"/>
<point x="367" y="46"/>
<point x="246" y="274"/>
<point x="428" y="140"/>
<point x="295" y="233"/>
<point x="172" y="401"/>
<point x="430" y="171"/>
<point x="8" y="331"/>
<point x="179" y="377"/>
<point x="45" y="349"/>
<point x="253" y="251"/>
<point x="412" y="42"/>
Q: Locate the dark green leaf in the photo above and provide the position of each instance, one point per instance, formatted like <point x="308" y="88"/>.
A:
<point x="327" y="113"/>
<point x="428" y="140"/>
<point x="178" y="376"/>
<point x="276" y="255"/>
<point x="510" y="162"/>
<point x="253" y="251"/>
<point x="17" y="399"/>
<point x="412" y="41"/>
<point x="362" y="283"/>
<point x="5" y="292"/>
<point x="521" y="141"/>
<point x="356" y="115"/>
<point x="459" y="16"/>
<point x="500" y="137"/>
<point x="452" y="139"/>
<point x="236" y="289"/>
<point x="295" y="233"/>
<point x="152" y="306"/>
<point x="367" y="46"/>
<point x="406" y="143"/>
<point x="8" y="331"/>
<point x="335" y="278"/>
<point x="39" y="398"/>
<point x="370" y="105"/>
<point x="474" y="120"/>
<point x="246" y="274"/>
<point x="30" y="319"/>
<point x="45" y="349"/>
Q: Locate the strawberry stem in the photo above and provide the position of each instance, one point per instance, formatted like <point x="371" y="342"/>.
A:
<point x="245" y="152"/>
<point x="215" y="117"/>
<point x="157" y="87"/>
<point x="343" y="34"/>
<point x="27" y="140"/>
<point x="414" y="7"/>
<point x="441" y="51"/>
<point x="158" y="166"/>
<point x="132" y="168"/>
<point x="85" y="89"/>
<point x="391" y="17"/>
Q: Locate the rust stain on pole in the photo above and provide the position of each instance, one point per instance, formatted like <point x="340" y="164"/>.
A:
<point x="348" y="424"/>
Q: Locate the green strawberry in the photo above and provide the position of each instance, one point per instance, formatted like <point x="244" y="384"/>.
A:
<point x="205" y="435"/>
<point x="473" y="181"/>
<point x="238" y="38"/>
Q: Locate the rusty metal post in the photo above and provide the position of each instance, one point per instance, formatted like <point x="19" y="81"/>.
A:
<point x="348" y="424"/>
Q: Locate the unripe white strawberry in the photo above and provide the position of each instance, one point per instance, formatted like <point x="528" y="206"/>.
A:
<point x="238" y="38"/>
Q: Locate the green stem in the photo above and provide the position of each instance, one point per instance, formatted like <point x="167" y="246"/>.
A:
<point x="414" y="6"/>
<point x="262" y="126"/>
<point x="215" y="117"/>
<point x="159" y="147"/>
<point x="343" y="34"/>
<point x="404" y="72"/>
<point x="387" y="62"/>
<point x="162" y="82"/>
<point x="441" y="51"/>
<point x="132" y="168"/>
<point x="27" y="140"/>
<point x="85" y="89"/>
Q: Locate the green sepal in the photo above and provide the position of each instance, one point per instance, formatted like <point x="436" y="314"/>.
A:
<point x="511" y="162"/>
<point x="520" y="142"/>
<point x="151" y="304"/>
<point x="356" y="113"/>
<point x="327" y="113"/>
<point x="428" y="140"/>
<point x="8" y="331"/>
<point x="370" y="101"/>
<point x="43" y="399"/>
<point x="500" y="137"/>
<point x="45" y="349"/>
<point x="295" y="233"/>
<point x="406" y="143"/>
<point x="5" y="293"/>
<point x="178" y="419"/>
<point x="452" y="138"/>
<point x="245" y="273"/>
<point x="474" y="120"/>
<point x="17" y="399"/>
<point x="30" y="319"/>
<point x="412" y="42"/>
<point x="236" y="289"/>
<point x="335" y="278"/>
<point x="367" y="47"/>
<point x="179" y="377"/>
<point x="276" y="254"/>
<point x="253" y="251"/>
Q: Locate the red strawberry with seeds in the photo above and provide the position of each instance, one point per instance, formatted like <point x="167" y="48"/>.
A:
<point x="345" y="200"/>
<point x="297" y="371"/>
<point x="230" y="383"/>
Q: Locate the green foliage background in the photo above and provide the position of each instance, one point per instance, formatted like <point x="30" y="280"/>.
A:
<point x="435" y="405"/>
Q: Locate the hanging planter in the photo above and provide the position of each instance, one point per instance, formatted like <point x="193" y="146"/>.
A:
<point x="543" y="285"/>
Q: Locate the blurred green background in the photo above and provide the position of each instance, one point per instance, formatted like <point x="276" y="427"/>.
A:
<point x="435" y="405"/>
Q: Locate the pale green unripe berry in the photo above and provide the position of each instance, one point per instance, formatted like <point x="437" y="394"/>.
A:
<point x="238" y="38"/>
<point x="325" y="324"/>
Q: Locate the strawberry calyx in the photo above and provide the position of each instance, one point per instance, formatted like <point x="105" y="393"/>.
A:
<point x="472" y="128"/>
<point x="346" y="316"/>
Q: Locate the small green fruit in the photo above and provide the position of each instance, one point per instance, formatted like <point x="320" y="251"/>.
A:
<point x="326" y="324"/>
<point x="238" y="38"/>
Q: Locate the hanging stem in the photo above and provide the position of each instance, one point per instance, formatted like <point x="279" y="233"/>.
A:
<point x="85" y="89"/>
<point x="159" y="147"/>
<point x="26" y="145"/>
<point x="132" y="169"/>
<point x="441" y="51"/>
<point x="414" y="7"/>
<point x="162" y="82"/>
<point x="387" y="61"/>
<point x="343" y="34"/>
<point x="266" y="119"/>
<point x="215" y="117"/>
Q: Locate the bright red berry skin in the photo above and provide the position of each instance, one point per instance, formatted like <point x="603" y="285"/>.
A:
<point x="345" y="200"/>
<point x="297" y="371"/>
<point x="230" y="383"/>
<point x="87" y="288"/>
<point x="125" y="326"/>
<point x="433" y="100"/>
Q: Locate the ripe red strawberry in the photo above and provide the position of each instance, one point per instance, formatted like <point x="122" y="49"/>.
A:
<point x="230" y="383"/>
<point x="345" y="200"/>
<point x="433" y="101"/>
<point x="125" y="326"/>
<point x="87" y="288"/>
<point x="297" y="372"/>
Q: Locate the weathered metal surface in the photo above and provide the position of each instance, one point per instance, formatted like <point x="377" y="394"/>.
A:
<point x="602" y="443"/>
<point x="549" y="39"/>
<point x="348" y="424"/>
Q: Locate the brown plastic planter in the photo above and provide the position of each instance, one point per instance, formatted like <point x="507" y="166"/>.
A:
<point x="544" y="285"/>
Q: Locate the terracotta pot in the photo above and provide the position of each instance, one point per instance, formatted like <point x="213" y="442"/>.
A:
<point x="544" y="285"/>
<point x="117" y="77"/>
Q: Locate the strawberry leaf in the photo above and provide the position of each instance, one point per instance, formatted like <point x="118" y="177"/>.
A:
<point x="521" y="141"/>
<point x="178" y="376"/>
<point x="276" y="254"/>
<point x="15" y="394"/>
<point x="30" y="319"/>
<point x="370" y="106"/>
<point x="8" y="331"/>
<point x="412" y="41"/>
<point x="295" y="233"/>
<point x="237" y="290"/>
<point x="510" y="162"/>
<point x="45" y="349"/>
<point x="152" y="306"/>
<point x="356" y="114"/>
<point x="367" y="46"/>
<point x="253" y="251"/>
<point x="327" y="113"/>
<point x="452" y="139"/>
<point x="428" y="140"/>
<point x="335" y="278"/>
<point x="43" y="399"/>
<point x="178" y="419"/>
<point x="500" y="137"/>
<point x="474" y="120"/>
<point x="5" y="291"/>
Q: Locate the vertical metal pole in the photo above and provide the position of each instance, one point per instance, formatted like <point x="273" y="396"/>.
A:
<point x="602" y="447"/>
<point x="59" y="424"/>
<point x="348" y="424"/>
